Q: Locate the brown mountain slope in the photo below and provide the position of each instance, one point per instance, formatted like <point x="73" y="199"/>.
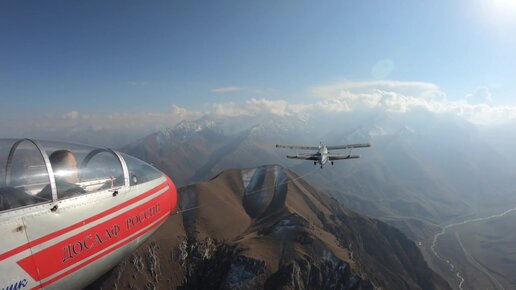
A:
<point x="267" y="228"/>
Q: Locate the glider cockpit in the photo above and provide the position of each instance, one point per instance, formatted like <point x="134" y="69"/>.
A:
<point x="29" y="177"/>
<point x="69" y="212"/>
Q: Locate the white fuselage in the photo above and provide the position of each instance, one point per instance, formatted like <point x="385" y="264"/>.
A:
<point x="322" y="154"/>
<point x="85" y="237"/>
<point x="59" y="233"/>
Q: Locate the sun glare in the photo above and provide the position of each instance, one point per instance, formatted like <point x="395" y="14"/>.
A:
<point x="501" y="11"/>
<point x="505" y="4"/>
<point x="500" y="17"/>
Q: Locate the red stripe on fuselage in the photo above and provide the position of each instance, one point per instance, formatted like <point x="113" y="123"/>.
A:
<point x="53" y="235"/>
<point x="81" y="246"/>
<point x="55" y="279"/>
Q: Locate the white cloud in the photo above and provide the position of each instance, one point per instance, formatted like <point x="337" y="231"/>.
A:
<point x="399" y="96"/>
<point x="481" y="96"/>
<point x="343" y="97"/>
<point x="416" y="89"/>
<point x="228" y="109"/>
<point x="73" y="115"/>
<point x="251" y="107"/>
<point x="230" y="89"/>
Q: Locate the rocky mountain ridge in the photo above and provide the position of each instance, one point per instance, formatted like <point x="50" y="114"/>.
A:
<point x="429" y="170"/>
<point x="268" y="228"/>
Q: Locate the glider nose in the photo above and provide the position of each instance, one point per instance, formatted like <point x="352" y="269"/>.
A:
<point x="172" y="195"/>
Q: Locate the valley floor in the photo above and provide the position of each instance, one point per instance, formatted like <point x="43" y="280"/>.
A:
<point x="477" y="253"/>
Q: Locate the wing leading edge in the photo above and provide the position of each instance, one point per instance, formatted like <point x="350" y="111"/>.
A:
<point x="342" y="157"/>
<point x="337" y="147"/>
<point x="348" y="146"/>
<point x="302" y="147"/>
<point x="303" y="157"/>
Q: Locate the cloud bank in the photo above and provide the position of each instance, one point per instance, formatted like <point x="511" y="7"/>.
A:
<point x="343" y="97"/>
<point x="392" y="96"/>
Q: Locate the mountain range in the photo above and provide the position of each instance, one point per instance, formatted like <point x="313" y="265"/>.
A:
<point x="437" y="170"/>
<point x="266" y="227"/>
<point x="424" y="170"/>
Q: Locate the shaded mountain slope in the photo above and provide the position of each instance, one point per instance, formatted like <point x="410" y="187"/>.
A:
<point x="432" y="169"/>
<point x="267" y="228"/>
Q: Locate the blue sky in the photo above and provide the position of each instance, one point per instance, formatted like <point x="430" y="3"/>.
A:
<point x="128" y="56"/>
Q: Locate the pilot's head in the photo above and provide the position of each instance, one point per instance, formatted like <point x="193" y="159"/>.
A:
<point x="64" y="165"/>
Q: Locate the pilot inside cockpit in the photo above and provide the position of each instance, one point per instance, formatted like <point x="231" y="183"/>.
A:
<point x="66" y="173"/>
<point x="64" y="165"/>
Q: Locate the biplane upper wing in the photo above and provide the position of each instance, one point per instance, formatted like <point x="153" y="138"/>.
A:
<point x="348" y="146"/>
<point x="302" y="147"/>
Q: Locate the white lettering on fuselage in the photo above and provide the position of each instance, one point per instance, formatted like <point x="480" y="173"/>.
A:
<point x="93" y="239"/>
<point x="89" y="241"/>
<point x="142" y="216"/>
